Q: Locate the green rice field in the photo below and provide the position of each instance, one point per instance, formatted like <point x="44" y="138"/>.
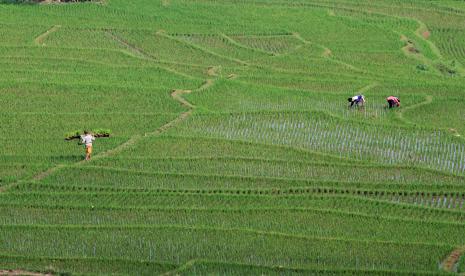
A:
<point x="232" y="147"/>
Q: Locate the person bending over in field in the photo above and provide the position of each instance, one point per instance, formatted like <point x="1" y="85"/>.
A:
<point x="358" y="100"/>
<point x="87" y="140"/>
<point x="393" y="101"/>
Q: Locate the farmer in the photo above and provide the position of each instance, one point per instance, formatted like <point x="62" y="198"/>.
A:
<point x="393" y="101"/>
<point x="358" y="100"/>
<point x="87" y="140"/>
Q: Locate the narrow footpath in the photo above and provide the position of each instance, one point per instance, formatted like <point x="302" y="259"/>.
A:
<point x="176" y="94"/>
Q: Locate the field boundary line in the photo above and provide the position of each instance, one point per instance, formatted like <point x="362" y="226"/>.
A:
<point x="245" y="194"/>
<point x="285" y="270"/>
<point x="240" y="45"/>
<point x="39" y="41"/>
<point x="336" y="158"/>
<point x="389" y="204"/>
<point x="38" y="176"/>
<point x="18" y="272"/>
<point x="94" y="113"/>
<point x="226" y="230"/>
<point x="335" y="212"/>
<point x="134" y="51"/>
<point x="320" y="112"/>
<point x="410" y="46"/>
<point x="87" y="85"/>
<point x="241" y="158"/>
<point x="158" y="61"/>
<point x="443" y="9"/>
<point x="200" y="48"/>
<point x="400" y="115"/>
<point x="450" y="262"/>
<point x="419" y="33"/>
<point x="421" y="25"/>
<point x="181" y="268"/>
<point x="231" y="176"/>
<point x="327" y="53"/>
<point x="176" y="95"/>
<point x="269" y="54"/>
<point x="368" y="87"/>
<point x="323" y="163"/>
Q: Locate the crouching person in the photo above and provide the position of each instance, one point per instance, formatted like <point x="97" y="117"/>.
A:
<point x="358" y="100"/>
<point x="393" y="101"/>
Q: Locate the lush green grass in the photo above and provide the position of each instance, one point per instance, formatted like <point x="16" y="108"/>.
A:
<point x="255" y="165"/>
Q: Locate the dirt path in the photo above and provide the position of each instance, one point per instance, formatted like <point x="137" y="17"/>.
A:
<point x="410" y="50"/>
<point x="177" y="95"/>
<point x="422" y="32"/>
<point x="213" y="71"/>
<point x="400" y="114"/>
<point x="22" y="273"/>
<point x="428" y="100"/>
<point x="450" y="262"/>
<point x="39" y="41"/>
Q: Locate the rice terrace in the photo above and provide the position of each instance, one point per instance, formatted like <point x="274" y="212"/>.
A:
<point x="232" y="137"/>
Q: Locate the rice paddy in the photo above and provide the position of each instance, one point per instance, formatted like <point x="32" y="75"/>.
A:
<point x="232" y="147"/>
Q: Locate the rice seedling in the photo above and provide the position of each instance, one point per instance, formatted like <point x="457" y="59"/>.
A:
<point x="232" y="148"/>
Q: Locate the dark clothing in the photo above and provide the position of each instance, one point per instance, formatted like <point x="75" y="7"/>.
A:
<point x="357" y="100"/>
<point x="392" y="103"/>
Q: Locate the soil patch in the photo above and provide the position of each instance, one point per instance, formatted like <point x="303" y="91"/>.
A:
<point x="327" y="52"/>
<point x="213" y="71"/>
<point x="412" y="49"/>
<point x="451" y="260"/>
<point x="426" y="34"/>
<point x="41" y="38"/>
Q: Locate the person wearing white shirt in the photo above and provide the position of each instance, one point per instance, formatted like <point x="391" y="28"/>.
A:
<point x="87" y="140"/>
<point x="358" y="100"/>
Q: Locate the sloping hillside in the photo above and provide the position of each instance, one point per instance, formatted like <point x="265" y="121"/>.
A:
<point x="233" y="150"/>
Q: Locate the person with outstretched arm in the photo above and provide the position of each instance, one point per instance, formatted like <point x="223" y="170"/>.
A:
<point x="393" y="101"/>
<point x="87" y="140"/>
<point x="358" y="100"/>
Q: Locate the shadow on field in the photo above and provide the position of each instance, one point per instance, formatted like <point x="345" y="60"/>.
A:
<point x="66" y="158"/>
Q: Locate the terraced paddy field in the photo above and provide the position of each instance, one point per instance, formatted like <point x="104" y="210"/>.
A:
<point x="233" y="151"/>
